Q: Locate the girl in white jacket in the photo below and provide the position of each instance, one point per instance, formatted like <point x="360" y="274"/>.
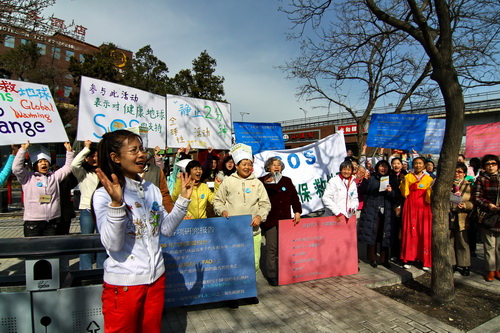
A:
<point x="341" y="193"/>
<point x="130" y="216"/>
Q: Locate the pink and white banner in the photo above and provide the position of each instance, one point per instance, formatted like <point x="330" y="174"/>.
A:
<point x="317" y="248"/>
<point x="482" y="139"/>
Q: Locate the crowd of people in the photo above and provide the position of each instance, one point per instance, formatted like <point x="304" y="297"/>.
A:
<point x="128" y="198"/>
<point x="395" y="213"/>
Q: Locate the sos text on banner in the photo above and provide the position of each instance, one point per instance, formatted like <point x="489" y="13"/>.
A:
<point x="310" y="167"/>
<point x="107" y="107"/>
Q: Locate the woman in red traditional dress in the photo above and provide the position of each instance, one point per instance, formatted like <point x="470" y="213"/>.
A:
<point x="416" y="228"/>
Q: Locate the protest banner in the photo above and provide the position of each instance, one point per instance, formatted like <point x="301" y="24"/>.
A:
<point x="106" y="107"/>
<point x="28" y="112"/>
<point x="397" y="131"/>
<point x="198" y="122"/>
<point x="317" y="248"/>
<point x="259" y="136"/>
<point x="482" y="139"/>
<point x="204" y="265"/>
<point x="310" y="167"/>
<point x="434" y="135"/>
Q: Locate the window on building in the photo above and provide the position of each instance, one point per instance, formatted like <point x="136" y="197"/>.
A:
<point x="67" y="91"/>
<point x="42" y="48"/>
<point x="9" y="41"/>
<point x="68" y="76"/>
<point x="69" y="54"/>
<point x="82" y="58"/>
<point x="24" y="41"/>
<point x="56" y="52"/>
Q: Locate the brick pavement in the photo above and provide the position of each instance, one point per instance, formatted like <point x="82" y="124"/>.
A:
<point x="340" y="304"/>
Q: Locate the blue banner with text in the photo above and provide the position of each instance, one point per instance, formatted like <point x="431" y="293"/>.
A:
<point x="259" y="136"/>
<point x="397" y="131"/>
<point x="209" y="260"/>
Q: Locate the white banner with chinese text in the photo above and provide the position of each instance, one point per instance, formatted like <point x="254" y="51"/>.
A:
<point x="310" y="167"/>
<point x="28" y="112"/>
<point x="106" y="107"/>
<point x="198" y="122"/>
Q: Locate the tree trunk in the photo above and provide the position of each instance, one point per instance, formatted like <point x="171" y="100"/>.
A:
<point x="442" y="271"/>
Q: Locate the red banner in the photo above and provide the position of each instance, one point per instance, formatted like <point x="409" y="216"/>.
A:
<point x="317" y="248"/>
<point x="482" y="139"/>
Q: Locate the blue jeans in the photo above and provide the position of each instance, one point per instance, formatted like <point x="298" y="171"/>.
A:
<point x="87" y="226"/>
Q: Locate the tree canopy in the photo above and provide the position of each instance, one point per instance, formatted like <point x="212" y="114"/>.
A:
<point x="200" y="82"/>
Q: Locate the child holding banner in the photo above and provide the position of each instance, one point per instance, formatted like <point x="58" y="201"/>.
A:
<point x="42" y="208"/>
<point x="416" y="229"/>
<point x="130" y="216"/>
<point x="242" y="194"/>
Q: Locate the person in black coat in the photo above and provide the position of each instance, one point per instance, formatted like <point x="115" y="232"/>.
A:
<point x="283" y="196"/>
<point x="378" y="213"/>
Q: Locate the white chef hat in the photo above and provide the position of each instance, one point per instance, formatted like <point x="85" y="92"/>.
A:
<point x="182" y="164"/>
<point x="240" y="152"/>
<point x="38" y="152"/>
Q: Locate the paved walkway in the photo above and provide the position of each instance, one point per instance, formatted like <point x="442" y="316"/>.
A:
<point x="340" y="304"/>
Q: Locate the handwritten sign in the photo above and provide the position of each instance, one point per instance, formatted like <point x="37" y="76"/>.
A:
<point x="106" y="107"/>
<point x="482" y="139"/>
<point x="310" y="167"/>
<point x="204" y="265"/>
<point x="259" y="136"/>
<point x="317" y="248"/>
<point x="397" y="131"/>
<point x="198" y="122"/>
<point x="28" y="112"/>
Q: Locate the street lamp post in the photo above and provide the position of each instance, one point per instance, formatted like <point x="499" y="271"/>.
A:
<point x="305" y="115"/>
<point x="242" y="114"/>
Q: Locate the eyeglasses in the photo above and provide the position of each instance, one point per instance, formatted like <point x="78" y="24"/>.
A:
<point x="491" y="164"/>
<point x="135" y="151"/>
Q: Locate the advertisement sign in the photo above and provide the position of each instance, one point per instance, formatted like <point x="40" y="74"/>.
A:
<point x="198" y="122"/>
<point x="28" y="112"/>
<point x="106" y="107"/>
<point x="259" y="136"/>
<point x="482" y="139"/>
<point x="204" y="265"/>
<point x="317" y="248"/>
<point x="397" y="131"/>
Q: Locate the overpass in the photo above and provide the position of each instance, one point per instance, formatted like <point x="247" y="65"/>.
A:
<point x="480" y="108"/>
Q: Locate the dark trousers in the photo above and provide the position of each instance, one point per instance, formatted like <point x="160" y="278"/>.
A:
<point x="271" y="255"/>
<point x="371" y="250"/>
<point x="40" y="228"/>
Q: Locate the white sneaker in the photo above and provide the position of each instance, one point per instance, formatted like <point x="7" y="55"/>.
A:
<point x="426" y="269"/>
<point x="406" y="266"/>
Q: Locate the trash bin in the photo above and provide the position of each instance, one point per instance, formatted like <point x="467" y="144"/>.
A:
<point x="42" y="274"/>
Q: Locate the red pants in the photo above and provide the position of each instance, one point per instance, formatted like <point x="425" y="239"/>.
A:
<point x="133" y="308"/>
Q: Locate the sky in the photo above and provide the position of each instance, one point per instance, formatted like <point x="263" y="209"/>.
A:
<point x="247" y="38"/>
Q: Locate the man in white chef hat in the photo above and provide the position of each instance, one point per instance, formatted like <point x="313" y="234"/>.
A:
<point x="242" y="194"/>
